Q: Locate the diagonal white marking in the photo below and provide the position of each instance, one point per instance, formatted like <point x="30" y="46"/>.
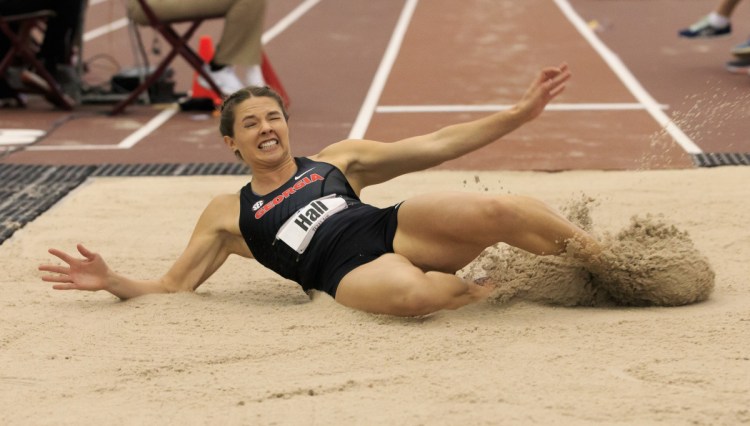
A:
<point x="381" y="76"/>
<point x="628" y="79"/>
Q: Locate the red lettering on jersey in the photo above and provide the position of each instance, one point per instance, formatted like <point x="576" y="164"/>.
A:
<point x="314" y="177"/>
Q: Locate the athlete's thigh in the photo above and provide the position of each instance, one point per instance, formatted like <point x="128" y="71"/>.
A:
<point x="380" y="286"/>
<point x="445" y="231"/>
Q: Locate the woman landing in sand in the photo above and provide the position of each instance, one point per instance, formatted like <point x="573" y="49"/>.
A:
<point x="302" y="217"/>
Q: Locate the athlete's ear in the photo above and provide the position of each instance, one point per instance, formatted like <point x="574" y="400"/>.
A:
<point x="229" y="142"/>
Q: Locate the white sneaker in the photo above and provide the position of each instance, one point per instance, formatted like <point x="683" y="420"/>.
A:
<point x="254" y="76"/>
<point x="225" y="78"/>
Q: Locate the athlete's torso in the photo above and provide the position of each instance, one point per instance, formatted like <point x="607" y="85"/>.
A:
<point x="261" y="217"/>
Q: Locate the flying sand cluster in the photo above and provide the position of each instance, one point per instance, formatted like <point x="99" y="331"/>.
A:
<point x="648" y="263"/>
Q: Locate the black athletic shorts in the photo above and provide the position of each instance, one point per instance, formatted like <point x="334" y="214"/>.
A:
<point x="346" y="240"/>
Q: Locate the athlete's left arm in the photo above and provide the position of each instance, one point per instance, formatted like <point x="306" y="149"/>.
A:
<point x="369" y="162"/>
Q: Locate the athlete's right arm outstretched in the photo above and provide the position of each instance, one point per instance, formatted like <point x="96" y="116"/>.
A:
<point x="215" y="237"/>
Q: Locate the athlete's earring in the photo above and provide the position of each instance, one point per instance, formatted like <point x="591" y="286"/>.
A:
<point x="238" y="154"/>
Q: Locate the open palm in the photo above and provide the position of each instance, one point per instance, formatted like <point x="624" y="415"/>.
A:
<point x="89" y="273"/>
<point x="548" y="85"/>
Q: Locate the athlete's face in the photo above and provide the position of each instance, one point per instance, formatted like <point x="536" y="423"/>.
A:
<point x="261" y="133"/>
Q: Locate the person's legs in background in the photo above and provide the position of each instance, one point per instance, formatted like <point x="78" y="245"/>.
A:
<point x="240" y="43"/>
<point x="56" y="48"/>
<point x="716" y="23"/>
<point x="60" y="39"/>
<point x="241" y="40"/>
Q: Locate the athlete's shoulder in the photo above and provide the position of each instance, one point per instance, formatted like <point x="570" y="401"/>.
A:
<point x="222" y="213"/>
<point x="220" y="220"/>
<point x="341" y="154"/>
<point x="225" y="200"/>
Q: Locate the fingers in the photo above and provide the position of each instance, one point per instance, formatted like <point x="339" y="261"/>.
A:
<point x="561" y="73"/>
<point x="555" y="83"/>
<point x="55" y="269"/>
<point x="556" y="91"/>
<point x="86" y="252"/>
<point x="63" y="272"/>
<point x="57" y="279"/>
<point x="61" y="255"/>
<point x="64" y="287"/>
<point x="558" y="83"/>
<point x="549" y="73"/>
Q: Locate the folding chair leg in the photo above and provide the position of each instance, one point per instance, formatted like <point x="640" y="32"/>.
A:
<point x="55" y="94"/>
<point x="17" y="49"/>
<point x="120" y="107"/>
<point x="196" y="62"/>
<point x="269" y="75"/>
<point x="179" y="46"/>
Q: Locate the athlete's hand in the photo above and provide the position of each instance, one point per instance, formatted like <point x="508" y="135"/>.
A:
<point x="88" y="274"/>
<point x="546" y="86"/>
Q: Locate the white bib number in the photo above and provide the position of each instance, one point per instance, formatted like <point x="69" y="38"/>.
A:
<point x="298" y="230"/>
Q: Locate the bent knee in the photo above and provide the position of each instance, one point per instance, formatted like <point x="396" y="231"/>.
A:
<point x="504" y="210"/>
<point x="416" y="302"/>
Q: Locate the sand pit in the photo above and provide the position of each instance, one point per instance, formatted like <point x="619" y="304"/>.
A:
<point x="250" y="348"/>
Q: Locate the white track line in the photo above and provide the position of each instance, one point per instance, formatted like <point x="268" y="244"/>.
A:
<point x="14" y="137"/>
<point x="126" y="143"/>
<point x="148" y="128"/>
<point x="628" y="79"/>
<point x="73" y="148"/>
<point x="21" y="132"/>
<point x="288" y="20"/>
<point x="381" y="76"/>
<point x="398" y="109"/>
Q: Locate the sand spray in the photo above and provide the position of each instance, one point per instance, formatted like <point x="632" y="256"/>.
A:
<point x="650" y="262"/>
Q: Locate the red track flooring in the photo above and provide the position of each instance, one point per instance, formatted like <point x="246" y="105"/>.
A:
<point x="453" y="58"/>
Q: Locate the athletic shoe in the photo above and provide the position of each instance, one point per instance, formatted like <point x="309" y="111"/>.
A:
<point x="704" y="29"/>
<point x="254" y="76"/>
<point x="225" y="78"/>
<point x="739" y="66"/>
<point x="742" y="49"/>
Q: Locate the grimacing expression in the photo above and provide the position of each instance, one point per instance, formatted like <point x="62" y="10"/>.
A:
<point x="260" y="130"/>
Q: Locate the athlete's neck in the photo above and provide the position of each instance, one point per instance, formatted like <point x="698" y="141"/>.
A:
<point x="268" y="179"/>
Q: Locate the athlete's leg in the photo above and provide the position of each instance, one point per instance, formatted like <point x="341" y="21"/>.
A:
<point x="446" y="231"/>
<point x="392" y="285"/>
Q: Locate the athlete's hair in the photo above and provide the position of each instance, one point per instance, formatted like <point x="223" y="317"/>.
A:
<point x="226" y="124"/>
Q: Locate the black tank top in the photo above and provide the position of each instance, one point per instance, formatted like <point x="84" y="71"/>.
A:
<point x="261" y="217"/>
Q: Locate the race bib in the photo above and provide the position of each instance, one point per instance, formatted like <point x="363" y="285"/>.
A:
<point x="298" y="230"/>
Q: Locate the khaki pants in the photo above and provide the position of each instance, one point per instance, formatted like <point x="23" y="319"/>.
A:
<point x="240" y="42"/>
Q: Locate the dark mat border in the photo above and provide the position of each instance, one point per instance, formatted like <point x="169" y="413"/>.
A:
<point x="26" y="191"/>
<point x="715" y="159"/>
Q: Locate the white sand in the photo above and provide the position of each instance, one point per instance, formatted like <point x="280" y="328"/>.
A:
<point x="250" y="348"/>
